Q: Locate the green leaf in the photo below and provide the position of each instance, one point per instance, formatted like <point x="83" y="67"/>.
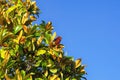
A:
<point x="53" y="70"/>
<point x="16" y="48"/>
<point x="33" y="46"/>
<point x="46" y="73"/>
<point x="1" y="74"/>
<point x="40" y="52"/>
<point x="11" y="9"/>
<point x="37" y="34"/>
<point x="68" y="78"/>
<point x="50" y="63"/>
<point x="74" y="79"/>
<point x="56" y="53"/>
<point x="53" y="36"/>
<point x="28" y="76"/>
<point x="12" y="52"/>
<point x="28" y="43"/>
<point x="23" y="73"/>
<point x="4" y="35"/>
<point x="38" y="63"/>
<point x="61" y="75"/>
<point x="10" y="63"/>
<point x="17" y="29"/>
<point x="44" y="63"/>
<point x="38" y="79"/>
<point x="47" y="37"/>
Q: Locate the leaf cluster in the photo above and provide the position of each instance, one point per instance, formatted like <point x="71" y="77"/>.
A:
<point x="32" y="52"/>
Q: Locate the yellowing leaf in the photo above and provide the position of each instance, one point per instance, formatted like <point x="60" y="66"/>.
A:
<point x="53" y="70"/>
<point x="19" y="76"/>
<point x="6" y="77"/>
<point x="2" y="53"/>
<point x="46" y="73"/>
<point x="40" y="52"/>
<point x="49" y="65"/>
<point x="40" y="40"/>
<point x="61" y="75"/>
<point x="77" y="63"/>
<point x="25" y="17"/>
<point x="51" y="51"/>
<point x="53" y="77"/>
<point x="33" y="3"/>
<point x="30" y="77"/>
<point x="19" y="37"/>
<point x="57" y="78"/>
<point x="82" y="71"/>
<point x="7" y="56"/>
<point x="11" y="9"/>
<point x="25" y="28"/>
<point x="22" y="40"/>
<point x="48" y="26"/>
<point x="33" y="18"/>
<point x="8" y="20"/>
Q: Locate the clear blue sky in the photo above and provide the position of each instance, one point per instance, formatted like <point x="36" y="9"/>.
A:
<point x="90" y="30"/>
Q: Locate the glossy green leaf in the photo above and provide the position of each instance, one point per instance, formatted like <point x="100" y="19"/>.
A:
<point x="10" y="63"/>
<point x="23" y="73"/>
<point x="46" y="73"/>
<point x="33" y="47"/>
<point x="74" y="79"/>
<point x="68" y="78"/>
<point x="53" y="36"/>
<point x="17" y="29"/>
<point x="38" y="79"/>
<point x="56" y="53"/>
<point x="16" y="48"/>
<point x="47" y="37"/>
<point x="50" y="63"/>
<point x="40" y="52"/>
<point x="53" y="70"/>
<point x="38" y="63"/>
<point x="12" y="52"/>
<point x="11" y="9"/>
<point x="44" y="63"/>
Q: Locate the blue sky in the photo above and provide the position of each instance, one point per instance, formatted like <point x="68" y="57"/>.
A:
<point x="90" y="30"/>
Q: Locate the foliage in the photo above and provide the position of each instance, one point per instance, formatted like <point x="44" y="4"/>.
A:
<point x="32" y="52"/>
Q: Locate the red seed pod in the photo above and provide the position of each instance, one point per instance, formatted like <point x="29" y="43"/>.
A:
<point x="57" y="40"/>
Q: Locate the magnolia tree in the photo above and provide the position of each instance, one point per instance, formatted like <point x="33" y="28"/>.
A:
<point x="32" y="52"/>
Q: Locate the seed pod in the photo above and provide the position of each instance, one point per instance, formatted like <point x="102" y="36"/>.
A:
<point x="57" y="40"/>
